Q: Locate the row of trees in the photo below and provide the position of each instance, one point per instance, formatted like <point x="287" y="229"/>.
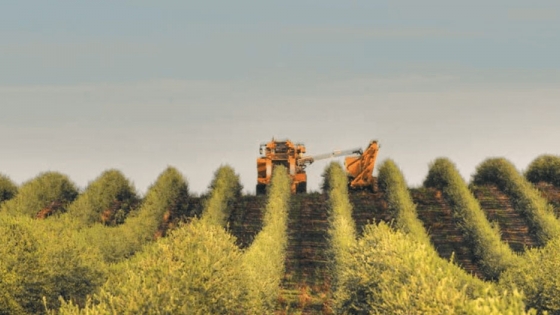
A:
<point x="525" y="197"/>
<point x="71" y="254"/>
<point x="342" y="234"/>
<point x="532" y="272"/>
<point x="101" y="251"/>
<point x="395" y="270"/>
<point x="197" y="268"/>
<point x="537" y="274"/>
<point x="493" y="255"/>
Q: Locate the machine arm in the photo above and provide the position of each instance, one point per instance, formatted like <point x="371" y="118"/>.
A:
<point x="360" y="169"/>
<point x="306" y="160"/>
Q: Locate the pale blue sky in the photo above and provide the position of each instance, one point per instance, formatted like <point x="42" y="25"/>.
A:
<point x="139" y="85"/>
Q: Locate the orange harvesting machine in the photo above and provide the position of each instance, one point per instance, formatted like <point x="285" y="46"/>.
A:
<point x="359" y="164"/>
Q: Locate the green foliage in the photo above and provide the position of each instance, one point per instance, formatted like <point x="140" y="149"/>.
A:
<point x="525" y="198"/>
<point x="170" y="193"/>
<point x="545" y="168"/>
<point x="49" y="191"/>
<point x="389" y="272"/>
<point x="342" y="230"/>
<point x="495" y="256"/>
<point x="391" y="181"/>
<point x="196" y="270"/>
<point x="7" y="188"/>
<point x="108" y="200"/>
<point x="85" y="267"/>
<point x="225" y="189"/>
<point x="19" y="252"/>
<point x="117" y="243"/>
<point x="44" y="260"/>
<point x="167" y="197"/>
<point x="538" y="277"/>
<point x="263" y="261"/>
<point x="342" y="227"/>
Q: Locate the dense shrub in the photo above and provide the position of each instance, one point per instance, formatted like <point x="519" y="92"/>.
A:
<point x="400" y="203"/>
<point x="392" y="182"/>
<point x="263" y="262"/>
<point x="538" y="277"/>
<point x="495" y="255"/>
<point x="116" y="243"/>
<point x="545" y="168"/>
<point x="197" y="269"/>
<point x="44" y="260"/>
<point x="225" y="188"/>
<point x="525" y="198"/>
<point x="342" y="230"/>
<point x="390" y="272"/>
<point x="108" y="200"/>
<point x="48" y="193"/>
<point x="165" y="199"/>
<point x="7" y="188"/>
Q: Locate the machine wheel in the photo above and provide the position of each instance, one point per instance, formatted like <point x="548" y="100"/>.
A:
<point x="261" y="189"/>
<point x="301" y="188"/>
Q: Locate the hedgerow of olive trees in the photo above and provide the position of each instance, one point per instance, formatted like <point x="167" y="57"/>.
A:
<point x="390" y="272"/>
<point x="400" y="203"/>
<point x="49" y="192"/>
<point x="168" y="196"/>
<point x="537" y="277"/>
<point x="108" y="200"/>
<point x="342" y="230"/>
<point x="225" y="188"/>
<point x="42" y="261"/>
<point x="392" y="183"/>
<point x="525" y="198"/>
<point x="263" y="262"/>
<point x="7" y="188"/>
<point x="495" y="256"/>
<point x="197" y="269"/>
<point x="545" y="168"/>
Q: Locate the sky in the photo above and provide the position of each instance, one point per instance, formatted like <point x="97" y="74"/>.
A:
<point x="141" y="85"/>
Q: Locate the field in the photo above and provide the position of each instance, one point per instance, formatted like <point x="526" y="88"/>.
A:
<point x="487" y="246"/>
